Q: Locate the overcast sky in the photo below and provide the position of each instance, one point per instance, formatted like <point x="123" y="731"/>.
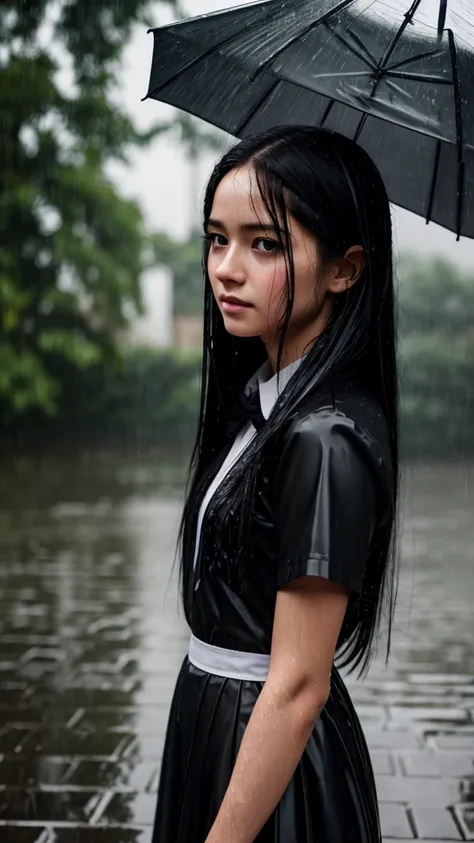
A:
<point x="159" y="178"/>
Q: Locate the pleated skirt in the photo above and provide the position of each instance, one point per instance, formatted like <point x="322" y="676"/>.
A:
<point x="331" y="797"/>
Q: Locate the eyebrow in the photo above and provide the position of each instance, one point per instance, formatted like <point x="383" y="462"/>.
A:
<point x="244" y="226"/>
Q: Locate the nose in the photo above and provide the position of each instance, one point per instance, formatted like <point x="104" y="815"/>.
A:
<point x="230" y="268"/>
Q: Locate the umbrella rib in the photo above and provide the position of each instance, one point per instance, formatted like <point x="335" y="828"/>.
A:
<point x="363" y="47"/>
<point x="327" y="112"/>
<point x="417" y="77"/>
<point x="443" y="8"/>
<point x="434" y="180"/>
<point x="369" y="62"/>
<point x="256" y="107"/>
<point x="407" y="19"/>
<point x="352" y="74"/>
<point x="334" y="11"/>
<point x="403" y="63"/>
<point x="459" y="132"/>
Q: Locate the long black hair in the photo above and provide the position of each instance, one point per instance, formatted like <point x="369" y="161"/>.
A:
<point x="332" y="188"/>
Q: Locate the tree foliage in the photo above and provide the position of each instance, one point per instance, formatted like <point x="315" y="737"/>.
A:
<point x="437" y="356"/>
<point x="71" y="248"/>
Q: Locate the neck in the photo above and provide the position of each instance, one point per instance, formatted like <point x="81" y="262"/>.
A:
<point x="298" y="343"/>
<point x="289" y="356"/>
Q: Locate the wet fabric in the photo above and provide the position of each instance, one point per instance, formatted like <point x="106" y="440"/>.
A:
<point x="397" y="76"/>
<point x="330" y="799"/>
<point x="321" y="497"/>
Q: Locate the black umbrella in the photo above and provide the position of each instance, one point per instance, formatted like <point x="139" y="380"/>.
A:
<point x="374" y="70"/>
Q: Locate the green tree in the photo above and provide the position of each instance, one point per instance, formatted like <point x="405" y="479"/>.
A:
<point x="71" y="248"/>
<point x="437" y="357"/>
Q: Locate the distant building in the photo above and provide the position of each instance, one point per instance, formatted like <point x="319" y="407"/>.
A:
<point x="159" y="327"/>
<point x="188" y="330"/>
<point x="155" y="328"/>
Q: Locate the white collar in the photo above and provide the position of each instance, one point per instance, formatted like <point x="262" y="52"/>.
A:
<point x="269" y="385"/>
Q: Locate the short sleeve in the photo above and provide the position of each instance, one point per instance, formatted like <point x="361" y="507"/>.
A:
<point x="328" y="490"/>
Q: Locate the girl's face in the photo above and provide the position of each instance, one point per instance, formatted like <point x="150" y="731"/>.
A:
<point x="247" y="269"/>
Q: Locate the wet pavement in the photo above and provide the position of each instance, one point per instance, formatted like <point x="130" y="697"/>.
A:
<point x="91" y="639"/>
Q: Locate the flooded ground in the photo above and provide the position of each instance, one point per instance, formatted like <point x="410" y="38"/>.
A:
<point x="91" y="639"/>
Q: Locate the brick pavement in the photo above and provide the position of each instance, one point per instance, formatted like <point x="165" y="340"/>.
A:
<point x="67" y="773"/>
<point x="90" y="644"/>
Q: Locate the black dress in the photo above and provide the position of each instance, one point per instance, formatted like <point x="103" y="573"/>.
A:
<point x="318" y="506"/>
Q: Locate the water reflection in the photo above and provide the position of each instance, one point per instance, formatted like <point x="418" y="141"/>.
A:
<point x="92" y="638"/>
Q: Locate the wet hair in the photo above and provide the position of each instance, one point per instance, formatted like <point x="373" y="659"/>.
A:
<point x="332" y="188"/>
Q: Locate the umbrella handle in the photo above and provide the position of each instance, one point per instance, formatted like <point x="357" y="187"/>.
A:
<point x="443" y="7"/>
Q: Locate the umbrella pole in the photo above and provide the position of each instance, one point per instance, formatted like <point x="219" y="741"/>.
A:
<point x="443" y="7"/>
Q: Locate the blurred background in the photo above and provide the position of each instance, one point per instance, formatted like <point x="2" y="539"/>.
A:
<point x="101" y="328"/>
<point x="100" y="281"/>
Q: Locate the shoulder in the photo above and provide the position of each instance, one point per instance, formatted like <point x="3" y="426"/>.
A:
<point x="342" y="424"/>
<point x="340" y="409"/>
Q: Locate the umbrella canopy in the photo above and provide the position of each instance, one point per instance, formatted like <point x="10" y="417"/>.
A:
<point x="395" y="75"/>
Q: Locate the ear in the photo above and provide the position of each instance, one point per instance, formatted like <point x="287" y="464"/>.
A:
<point x="347" y="270"/>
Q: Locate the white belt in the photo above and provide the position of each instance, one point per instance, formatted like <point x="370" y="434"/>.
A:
<point x="234" y="664"/>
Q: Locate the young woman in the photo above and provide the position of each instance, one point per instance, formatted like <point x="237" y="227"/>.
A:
<point x="289" y="523"/>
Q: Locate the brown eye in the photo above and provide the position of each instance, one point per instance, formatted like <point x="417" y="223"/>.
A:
<point x="216" y="239"/>
<point x="265" y="245"/>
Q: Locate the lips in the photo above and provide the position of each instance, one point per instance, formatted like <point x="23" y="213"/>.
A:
<point x="233" y="300"/>
<point x="233" y="305"/>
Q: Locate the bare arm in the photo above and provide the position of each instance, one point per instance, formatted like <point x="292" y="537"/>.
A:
<point x="308" y="618"/>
